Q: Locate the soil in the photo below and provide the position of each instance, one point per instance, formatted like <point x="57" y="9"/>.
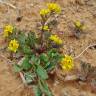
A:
<point x="28" y="13"/>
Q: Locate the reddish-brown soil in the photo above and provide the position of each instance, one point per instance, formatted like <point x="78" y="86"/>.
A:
<point x="83" y="10"/>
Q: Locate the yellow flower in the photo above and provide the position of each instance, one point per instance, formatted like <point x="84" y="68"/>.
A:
<point x="13" y="45"/>
<point x="8" y="30"/>
<point x="44" y="12"/>
<point x="55" y="39"/>
<point x="67" y="63"/>
<point x="46" y="28"/>
<point x="83" y="27"/>
<point x="54" y="7"/>
<point x="79" y="25"/>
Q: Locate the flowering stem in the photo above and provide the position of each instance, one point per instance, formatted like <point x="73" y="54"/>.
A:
<point x="42" y="37"/>
<point x="11" y="55"/>
<point x="42" y="30"/>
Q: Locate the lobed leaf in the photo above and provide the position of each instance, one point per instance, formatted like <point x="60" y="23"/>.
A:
<point x="25" y="64"/>
<point x="17" y="68"/>
<point x="44" y="87"/>
<point x="41" y="72"/>
<point x="37" y="91"/>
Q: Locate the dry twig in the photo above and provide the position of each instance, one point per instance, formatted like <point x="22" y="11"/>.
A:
<point x="84" y="50"/>
<point x="8" y="4"/>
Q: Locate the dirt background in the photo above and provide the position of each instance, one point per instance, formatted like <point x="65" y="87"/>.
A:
<point x="83" y="10"/>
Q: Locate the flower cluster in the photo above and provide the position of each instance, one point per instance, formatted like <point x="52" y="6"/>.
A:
<point x="44" y="12"/>
<point x="55" y="39"/>
<point x="45" y="28"/>
<point x="52" y="7"/>
<point x="8" y="29"/>
<point x="67" y="63"/>
<point x="79" y="25"/>
<point x="13" y="45"/>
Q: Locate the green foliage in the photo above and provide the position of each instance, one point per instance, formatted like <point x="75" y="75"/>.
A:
<point x="31" y="39"/>
<point x="54" y="58"/>
<point x="22" y="39"/>
<point x="44" y="87"/>
<point x="41" y="72"/>
<point x="25" y="64"/>
<point x="26" y="49"/>
<point x="37" y="91"/>
<point x="50" y="65"/>
<point x="35" y="60"/>
<point x="36" y="66"/>
<point x="44" y="58"/>
<point x="53" y="54"/>
<point x="17" y="68"/>
<point x="29" y="77"/>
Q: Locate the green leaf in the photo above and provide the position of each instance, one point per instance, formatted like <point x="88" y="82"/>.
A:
<point x="26" y="49"/>
<point x="26" y="65"/>
<point x="35" y="60"/>
<point x="44" y="87"/>
<point x="37" y="91"/>
<point x="51" y="53"/>
<point x="44" y="57"/>
<point x="41" y="72"/>
<point x="22" y="38"/>
<point x="17" y="68"/>
<point x="29" y="77"/>
<point x="31" y="39"/>
<point x="49" y="66"/>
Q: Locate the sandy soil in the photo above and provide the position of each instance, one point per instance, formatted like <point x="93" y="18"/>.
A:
<point x="83" y="10"/>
